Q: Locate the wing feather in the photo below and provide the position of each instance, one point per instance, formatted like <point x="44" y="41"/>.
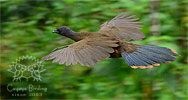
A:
<point x="68" y="57"/>
<point x="62" y="57"/>
<point x="88" y="57"/>
<point x="74" y="57"/>
<point x="57" y="56"/>
<point x="87" y="52"/>
<point x="123" y="27"/>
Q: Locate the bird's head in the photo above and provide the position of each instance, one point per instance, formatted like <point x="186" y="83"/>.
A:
<point x="63" y="30"/>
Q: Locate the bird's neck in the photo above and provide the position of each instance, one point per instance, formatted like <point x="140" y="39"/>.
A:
<point x="72" y="35"/>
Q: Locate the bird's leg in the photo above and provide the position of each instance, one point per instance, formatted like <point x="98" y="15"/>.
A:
<point x="58" y="48"/>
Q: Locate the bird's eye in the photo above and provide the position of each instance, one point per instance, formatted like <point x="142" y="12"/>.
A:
<point x="58" y="30"/>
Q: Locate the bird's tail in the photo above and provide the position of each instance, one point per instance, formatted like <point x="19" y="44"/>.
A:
<point x="148" y="56"/>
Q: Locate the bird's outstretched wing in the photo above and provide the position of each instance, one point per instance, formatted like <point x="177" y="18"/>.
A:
<point x="123" y="27"/>
<point x="87" y="52"/>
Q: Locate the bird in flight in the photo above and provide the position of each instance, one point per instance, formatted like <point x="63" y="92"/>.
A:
<point x="112" y="40"/>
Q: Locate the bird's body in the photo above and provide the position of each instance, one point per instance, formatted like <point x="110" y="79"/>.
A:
<point x="112" y="40"/>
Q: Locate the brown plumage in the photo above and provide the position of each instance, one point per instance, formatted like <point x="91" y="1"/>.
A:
<point x="110" y="41"/>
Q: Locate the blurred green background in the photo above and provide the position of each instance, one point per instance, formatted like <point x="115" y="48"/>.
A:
<point x="26" y="29"/>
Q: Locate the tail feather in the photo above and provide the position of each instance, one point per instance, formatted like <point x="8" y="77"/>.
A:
<point x="127" y="59"/>
<point x="157" y="54"/>
<point x="137" y="60"/>
<point x="151" y="57"/>
<point x="147" y="56"/>
<point x="144" y="58"/>
<point x="161" y="49"/>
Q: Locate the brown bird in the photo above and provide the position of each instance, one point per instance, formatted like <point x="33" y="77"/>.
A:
<point x="112" y="40"/>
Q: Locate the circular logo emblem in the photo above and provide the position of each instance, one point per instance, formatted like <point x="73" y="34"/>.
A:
<point x="26" y="67"/>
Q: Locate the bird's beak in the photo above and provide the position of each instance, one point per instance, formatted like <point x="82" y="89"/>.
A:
<point x="55" y="31"/>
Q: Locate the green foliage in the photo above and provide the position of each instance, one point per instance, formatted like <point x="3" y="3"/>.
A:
<point x="26" y="29"/>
